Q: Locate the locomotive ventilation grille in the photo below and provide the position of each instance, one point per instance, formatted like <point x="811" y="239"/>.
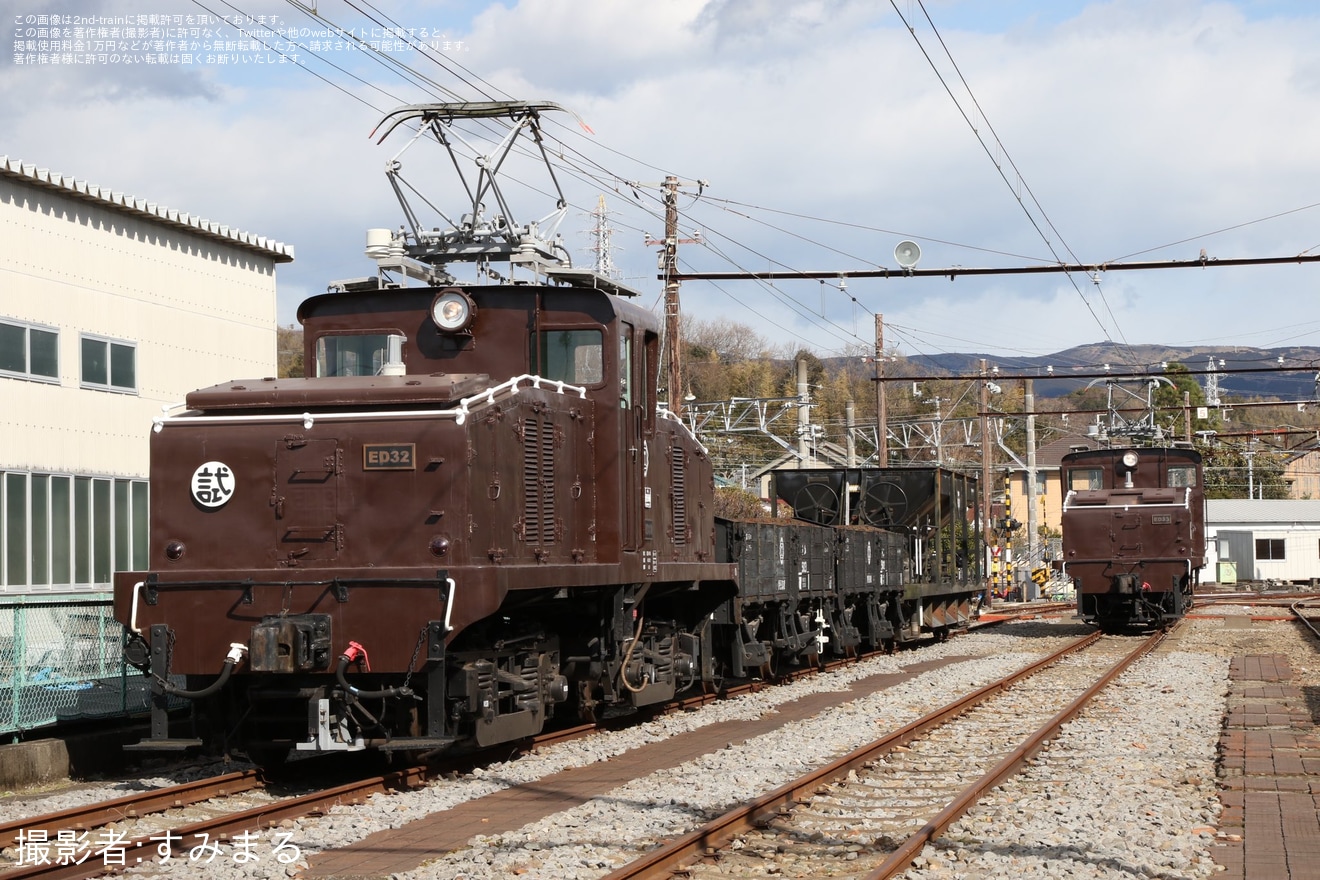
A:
<point x="539" y="480"/>
<point x="678" y="468"/>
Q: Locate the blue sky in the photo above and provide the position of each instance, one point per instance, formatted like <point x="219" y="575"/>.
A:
<point x="1129" y="129"/>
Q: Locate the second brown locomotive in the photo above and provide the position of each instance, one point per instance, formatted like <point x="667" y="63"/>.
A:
<point x="1133" y="533"/>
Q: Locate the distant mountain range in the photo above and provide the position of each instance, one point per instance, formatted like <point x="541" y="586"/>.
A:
<point x="1230" y="361"/>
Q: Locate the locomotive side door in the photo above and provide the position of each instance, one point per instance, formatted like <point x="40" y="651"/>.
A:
<point x="305" y="499"/>
<point x="634" y="450"/>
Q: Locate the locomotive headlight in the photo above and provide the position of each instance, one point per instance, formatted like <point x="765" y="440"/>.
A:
<point x="1130" y="459"/>
<point x="453" y="311"/>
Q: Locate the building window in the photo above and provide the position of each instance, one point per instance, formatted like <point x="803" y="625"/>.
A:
<point x="109" y="364"/>
<point x="1269" y="548"/>
<point x="16" y="550"/>
<point x="29" y="351"/>
<point x="64" y="532"/>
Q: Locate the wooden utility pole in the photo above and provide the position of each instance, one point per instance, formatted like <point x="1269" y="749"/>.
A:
<point x="987" y="532"/>
<point x="673" y="346"/>
<point x="1029" y="404"/>
<point x="881" y="417"/>
<point x="673" y="356"/>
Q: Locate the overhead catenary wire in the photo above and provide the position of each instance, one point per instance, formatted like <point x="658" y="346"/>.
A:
<point x="585" y="167"/>
<point x="976" y="131"/>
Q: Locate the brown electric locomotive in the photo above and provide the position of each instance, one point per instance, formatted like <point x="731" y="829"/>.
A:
<point x="472" y="515"/>
<point x="1133" y="534"/>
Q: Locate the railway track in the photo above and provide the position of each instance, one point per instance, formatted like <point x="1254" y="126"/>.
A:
<point x="83" y="841"/>
<point x="95" y="815"/>
<point x="875" y="808"/>
<point x="76" y="853"/>
<point x="1310" y="620"/>
<point x="86" y="840"/>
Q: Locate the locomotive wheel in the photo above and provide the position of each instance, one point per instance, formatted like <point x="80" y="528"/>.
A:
<point x="717" y="684"/>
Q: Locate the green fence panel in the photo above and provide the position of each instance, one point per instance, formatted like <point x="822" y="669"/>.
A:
<point x="61" y="660"/>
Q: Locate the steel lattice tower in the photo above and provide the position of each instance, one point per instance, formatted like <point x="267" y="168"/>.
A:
<point x="602" y="246"/>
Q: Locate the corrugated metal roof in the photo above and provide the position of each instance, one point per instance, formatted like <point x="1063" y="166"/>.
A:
<point x="1243" y="510"/>
<point x="278" y="251"/>
<point x="1050" y="455"/>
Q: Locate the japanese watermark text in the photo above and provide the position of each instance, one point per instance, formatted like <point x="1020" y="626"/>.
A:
<point x="110" y="847"/>
<point x="52" y="39"/>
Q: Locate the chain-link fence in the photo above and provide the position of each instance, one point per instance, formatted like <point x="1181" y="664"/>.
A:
<point x="60" y="660"/>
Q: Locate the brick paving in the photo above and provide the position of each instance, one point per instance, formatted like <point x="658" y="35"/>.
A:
<point x="390" y="852"/>
<point x="1270" y="758"/>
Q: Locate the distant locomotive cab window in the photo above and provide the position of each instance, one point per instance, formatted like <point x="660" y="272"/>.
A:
<point x="1270" y="548"/>
<point x="352" y="355"/>
<point x="573" y="356"/>
<point x="1086" y="479"/>
<point x="1182" y="477"/>
<point x="625" y="368"/>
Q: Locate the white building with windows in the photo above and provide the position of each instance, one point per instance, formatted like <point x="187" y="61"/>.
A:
<point x="111" y="307"/>
<point x="1261" y="541"/>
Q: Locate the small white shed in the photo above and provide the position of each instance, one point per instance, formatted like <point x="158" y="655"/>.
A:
<point x="1263" y="540"/>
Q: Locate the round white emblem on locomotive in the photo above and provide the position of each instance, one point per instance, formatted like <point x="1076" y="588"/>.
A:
<point x="213" y="484"/>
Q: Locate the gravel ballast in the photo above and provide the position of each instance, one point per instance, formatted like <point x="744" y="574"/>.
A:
<point x="1128" y="789"/>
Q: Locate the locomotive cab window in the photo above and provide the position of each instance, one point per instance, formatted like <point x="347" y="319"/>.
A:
<point x="625" y="368"/>
<point x="573" y="356"/>
<point x="352" y="355"/>
<point x="1086" y="479"/>
<point x="1181" y="477"/>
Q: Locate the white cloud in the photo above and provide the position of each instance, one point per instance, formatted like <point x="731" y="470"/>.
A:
<point x="1136" y="125"/>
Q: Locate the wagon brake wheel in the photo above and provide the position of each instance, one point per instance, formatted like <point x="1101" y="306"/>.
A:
<point x="817" y="503"/>
<point x="883" y="504"/>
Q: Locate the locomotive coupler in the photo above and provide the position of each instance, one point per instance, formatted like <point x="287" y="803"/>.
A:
<point x="162" y="689"/>
<point x="1125" y="584"/>
<point x="292" y="643"/>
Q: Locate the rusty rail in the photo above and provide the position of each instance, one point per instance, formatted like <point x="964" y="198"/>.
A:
<point x="902" y="858"/>
<point x="715" y="834"/>
<point x="141" y="850"/>
<point x="133" y="806"/>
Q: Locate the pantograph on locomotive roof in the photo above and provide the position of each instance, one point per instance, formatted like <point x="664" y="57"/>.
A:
<point x="482" y="139"/>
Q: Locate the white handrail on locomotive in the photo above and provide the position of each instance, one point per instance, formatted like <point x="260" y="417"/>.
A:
<point x="459" y="413"/>
<point x="1186" y="504"/>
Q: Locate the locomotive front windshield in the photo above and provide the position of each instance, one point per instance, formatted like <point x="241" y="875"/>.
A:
<point x="351" y="355"/>
<point x="1093" y="479"/>
<point x="573" y="356"/>
<point x="1086" y="479"/>
<point x="1182" y="477"/>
